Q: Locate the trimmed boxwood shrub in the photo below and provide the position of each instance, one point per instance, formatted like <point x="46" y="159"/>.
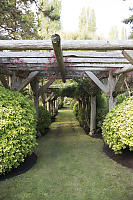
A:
<point x="117" y="127"/>
<point x="76" y="109"/>
<point x="81" y="118"/>
<point x="44" y="120"/>
<point x="17" y="129"/>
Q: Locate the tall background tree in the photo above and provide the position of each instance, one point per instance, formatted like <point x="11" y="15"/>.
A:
<point x="130" y="22"/>
<point x="17" y="20"/>
<point x="87" y="23"/>
<point x="113" y="33"/>
<point x="49" y="18"/>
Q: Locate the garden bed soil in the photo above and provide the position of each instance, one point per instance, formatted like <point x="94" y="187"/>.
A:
<point x="124" y="159"/>
<point x="25" y="166"/>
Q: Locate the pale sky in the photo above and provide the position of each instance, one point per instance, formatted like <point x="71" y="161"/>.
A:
<point x="108" y="13"/>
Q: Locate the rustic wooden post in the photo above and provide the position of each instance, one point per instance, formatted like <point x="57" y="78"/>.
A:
<point x="93" y="116"/>
<point x="48" y="106"/>
<point x="59" y="56"/>
<point x="35" y="88"/>
<point x="56" y="104"/>
<point x="51" y="107"/>
<point x="111" y="87"/>
<point x="43" y="99"/>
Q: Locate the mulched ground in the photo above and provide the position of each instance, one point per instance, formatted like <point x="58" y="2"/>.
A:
<point x="25" y="166"/>
<point x="125" y="159"/>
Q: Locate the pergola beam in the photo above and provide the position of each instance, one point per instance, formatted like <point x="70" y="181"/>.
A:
<point x="59" y="56"/>
<point x="27" y="80"/>
<point x="123" y="70"/>
<point x="128" y="55"/>
<point x="46" y="86"/>
<point x="97" y="82"/>
<point x="67" y="45"/>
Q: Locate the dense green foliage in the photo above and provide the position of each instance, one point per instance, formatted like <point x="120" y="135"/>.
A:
<point x="87" y="23"/>
<point x="17" y="21"/>
<point x="102" y="108"/>
<point x="130" y="22"/>
<point x="17" y="129"/>
<point x="76" y="109"/>
<point x="117" y="128"/>
<point x="49" y="18"/>
<point x="44" y="120"/>
<point x="122" y="97"/>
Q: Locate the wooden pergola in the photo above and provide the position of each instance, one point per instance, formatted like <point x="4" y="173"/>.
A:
<point x="104" y="62"/>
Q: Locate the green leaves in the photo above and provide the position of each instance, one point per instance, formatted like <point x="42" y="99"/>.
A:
<point x="117" y="128"/>
<point x="44" y="119"/>
<point x="17" y="129"/>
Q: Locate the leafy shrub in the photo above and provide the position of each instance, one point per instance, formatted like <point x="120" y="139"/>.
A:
<point x="17" y="129"/>
<point x="60" y="102"/>
<point x="44" y="119"/>
<point x="122" y="97"/>
<point x="72" y="103"/>
<point x="81" y="118"/>
<point x="102" y="108"/>
<point x="117" y="128"/>
<point x="76" y="109"/>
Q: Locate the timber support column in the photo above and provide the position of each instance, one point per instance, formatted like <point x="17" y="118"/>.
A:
<point x="51" y="107"/>
<point x="93" y="116"/>
<point x="48" y="106"/>
<point x="56" y="105"/>
<point x="35" y="88"/>
<point x="111" y="87"/>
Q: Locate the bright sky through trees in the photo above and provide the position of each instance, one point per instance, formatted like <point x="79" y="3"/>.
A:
<point x="108" y="13"/>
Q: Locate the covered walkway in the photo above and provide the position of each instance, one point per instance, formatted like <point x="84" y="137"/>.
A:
<point x="70" y="166"/>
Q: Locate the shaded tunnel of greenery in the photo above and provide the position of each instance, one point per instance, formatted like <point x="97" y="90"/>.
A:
<point x="70" y="166"/>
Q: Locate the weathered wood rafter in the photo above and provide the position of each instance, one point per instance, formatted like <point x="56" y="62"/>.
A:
<point x="27" y="81"/>
<point x="46" y="86"/>
<point x="59" y="56"/>
<point x="67" y="45"/>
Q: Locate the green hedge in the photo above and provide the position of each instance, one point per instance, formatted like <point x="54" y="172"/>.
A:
<point x="17" y="129"/>
<point x="44" y="120"/>
<point x="76" y="109"/>
<point x="117" y="127"/>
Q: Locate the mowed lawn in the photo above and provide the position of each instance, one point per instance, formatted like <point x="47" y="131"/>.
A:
<point x="70" y="166"/>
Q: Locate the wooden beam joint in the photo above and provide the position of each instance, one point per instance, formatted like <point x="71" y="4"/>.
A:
<point x="59" y="56"/>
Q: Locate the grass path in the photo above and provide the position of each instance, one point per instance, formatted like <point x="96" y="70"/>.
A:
<point x="70" y="166"/>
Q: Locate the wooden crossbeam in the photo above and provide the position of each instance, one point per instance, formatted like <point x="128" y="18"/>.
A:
<point x="97" y="82"/>
<point x="50" y="54"/>
<point x="67" y="45"/>
<point x="59" y="56"/>
<point x="71" y="60"/>
<point x="128" y="54"/>
<point x="49" y="97"/>
<point x="49" y="67"/>
<point x="27" y="80"/>
<point x="46" y="86"/>
<point x="123" y="70"/>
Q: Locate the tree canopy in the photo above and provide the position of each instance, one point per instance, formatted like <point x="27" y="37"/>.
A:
<point x="17" y="21"/>
<point x="87" y="23"/>
<point x="49" y="18"/>
<point x="130" y="22"/>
